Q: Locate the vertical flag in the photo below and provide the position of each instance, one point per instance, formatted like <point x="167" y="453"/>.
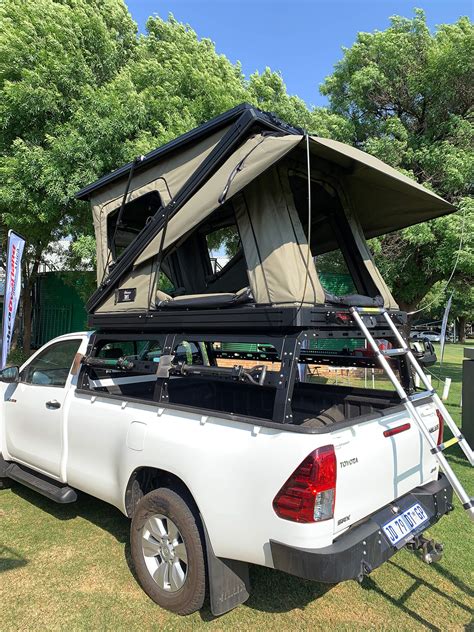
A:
<point x="16" y="245"/>
<point x="444" y="325"/>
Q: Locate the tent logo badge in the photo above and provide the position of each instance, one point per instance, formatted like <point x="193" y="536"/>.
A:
<point x="126" y="295"/>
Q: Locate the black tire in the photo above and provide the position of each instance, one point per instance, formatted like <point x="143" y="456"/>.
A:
<point x="166" y="502"/>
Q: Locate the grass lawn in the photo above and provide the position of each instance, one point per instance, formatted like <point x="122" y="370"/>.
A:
<point x="68" y="567"/>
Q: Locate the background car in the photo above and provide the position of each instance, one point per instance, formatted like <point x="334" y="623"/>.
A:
<point x="432" y="336"/>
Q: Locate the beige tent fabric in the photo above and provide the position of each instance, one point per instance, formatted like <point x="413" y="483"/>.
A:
<point x="143" y="280"/>
<point x="388" y="300"/>
<point x="382" y="198"/>
<point x="100" y="213"/>
<point x="258" y="153"/>
<point x="275" y="246"/>
<point x="167" y="177"/>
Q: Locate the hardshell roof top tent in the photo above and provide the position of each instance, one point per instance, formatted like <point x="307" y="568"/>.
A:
<point x="248" y="172"/>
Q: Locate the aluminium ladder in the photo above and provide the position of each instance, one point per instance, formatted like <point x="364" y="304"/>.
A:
<point x="409" y="400"/>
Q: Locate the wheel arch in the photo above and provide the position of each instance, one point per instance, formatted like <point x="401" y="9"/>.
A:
<point x="145" y="479"/>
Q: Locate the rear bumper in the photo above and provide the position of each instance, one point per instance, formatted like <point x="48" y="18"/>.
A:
<point x="365" y="546"/>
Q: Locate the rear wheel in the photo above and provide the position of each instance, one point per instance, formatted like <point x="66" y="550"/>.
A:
<point x="168" y="552"/>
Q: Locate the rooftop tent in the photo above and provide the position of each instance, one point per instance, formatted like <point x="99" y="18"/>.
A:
<point x="261" y="185"/>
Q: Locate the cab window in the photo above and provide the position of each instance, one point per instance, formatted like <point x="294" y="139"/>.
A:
<point x="130" y="350"/>
<point x="52" y="366"/>
<point x="191" y="352"/>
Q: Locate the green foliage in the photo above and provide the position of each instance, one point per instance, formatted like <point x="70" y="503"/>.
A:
<point x="408" y="94"/>
<point x="268" y="92"/>
<point x="17" y="357"/>
<point x="227" y="239"/>
<point x="462" y="302"/>
<point x="414" y="260"/>
<point x="81" y="94"/>
<point x="53" y="54"/>
<point x="172" y="82"/>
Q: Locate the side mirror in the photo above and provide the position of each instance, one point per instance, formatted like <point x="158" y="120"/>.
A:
<point x="10" y="375"/>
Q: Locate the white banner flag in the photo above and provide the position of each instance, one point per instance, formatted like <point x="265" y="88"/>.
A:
<point x="16" y="245"/>
<point x="444" y="326"/>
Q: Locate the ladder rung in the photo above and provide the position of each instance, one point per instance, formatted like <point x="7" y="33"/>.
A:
<point x="369" y="310"/>
<point x="393" y="352"/>
<point x="446" y="444"/>
<point x="451" y="442"/>
<point x="416" y="397"/>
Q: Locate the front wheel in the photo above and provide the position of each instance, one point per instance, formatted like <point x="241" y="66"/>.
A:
<point x="168" y="551"/>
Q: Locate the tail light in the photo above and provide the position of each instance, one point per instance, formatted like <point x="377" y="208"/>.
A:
<point x="343" y="317"/>
<point x="440" y="427"/>
<point x="310" y="492"/>
<point x="396" y="430"/>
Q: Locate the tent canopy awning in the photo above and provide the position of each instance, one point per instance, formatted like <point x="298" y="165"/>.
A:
<point x="383" y="199"/>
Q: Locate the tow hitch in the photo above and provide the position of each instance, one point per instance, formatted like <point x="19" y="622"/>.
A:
<point x="431" y="551"/>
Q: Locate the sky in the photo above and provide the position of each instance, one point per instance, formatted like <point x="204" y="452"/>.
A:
<point x="300" y="38"/>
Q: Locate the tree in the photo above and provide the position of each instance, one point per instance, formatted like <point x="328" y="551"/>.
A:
<point x="462" y="307"/>
<point x="408" y="94"/>
<point x="80" y="95"/>
<point x="53" y="53"/>
<point x="173" y="82"/>
<point x="414" y="260"/>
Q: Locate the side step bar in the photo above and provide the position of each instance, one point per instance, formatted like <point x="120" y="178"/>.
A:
<point x="48" y="487"/>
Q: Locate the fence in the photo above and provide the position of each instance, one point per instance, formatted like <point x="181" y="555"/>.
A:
<point x="51" y="321"/>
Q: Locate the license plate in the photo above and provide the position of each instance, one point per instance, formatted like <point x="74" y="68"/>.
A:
<point x="405" y="523"/>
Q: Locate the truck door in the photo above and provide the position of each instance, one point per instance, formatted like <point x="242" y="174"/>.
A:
<point x="34" y="408"/>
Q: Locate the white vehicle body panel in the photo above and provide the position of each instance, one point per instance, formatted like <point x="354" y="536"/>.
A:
<point x="233" y="468"/>
<point x="29" y="432"/>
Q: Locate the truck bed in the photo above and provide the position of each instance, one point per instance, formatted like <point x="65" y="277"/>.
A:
<point x="314" y="405"/>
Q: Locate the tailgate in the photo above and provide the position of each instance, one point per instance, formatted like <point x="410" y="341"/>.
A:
<point x="374" y="469"/>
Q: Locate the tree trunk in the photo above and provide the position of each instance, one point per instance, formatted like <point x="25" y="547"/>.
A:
<point x="27" y="307"/>
<point x="462" y="329"/>
<point x="415" y="302"/>
<point x="407" y="307"/>
<point x="30" y="279"/>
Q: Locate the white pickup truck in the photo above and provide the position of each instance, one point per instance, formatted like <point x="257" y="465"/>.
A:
<point x="209" y="490"/>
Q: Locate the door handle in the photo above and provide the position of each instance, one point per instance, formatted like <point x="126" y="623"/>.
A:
<point x="53" y="403"/>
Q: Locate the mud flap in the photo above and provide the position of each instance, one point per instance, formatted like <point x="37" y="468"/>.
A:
<point x="229" y="583"/>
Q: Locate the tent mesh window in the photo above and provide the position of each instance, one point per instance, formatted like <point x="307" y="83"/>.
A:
<point x="134" y="217"/>
<point x="332" y="241"/>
